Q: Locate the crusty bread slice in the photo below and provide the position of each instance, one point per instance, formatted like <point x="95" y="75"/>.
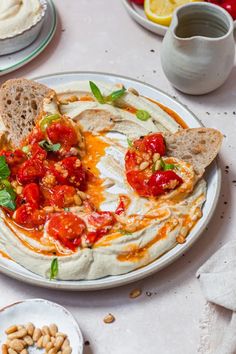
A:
<point x="20" y="103"/>
<point x="198" y="146"/>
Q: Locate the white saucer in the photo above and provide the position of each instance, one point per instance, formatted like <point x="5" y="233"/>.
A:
<point x="14" y="61"/>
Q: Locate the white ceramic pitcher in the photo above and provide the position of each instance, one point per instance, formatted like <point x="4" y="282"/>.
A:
<point x="198" y="49"/>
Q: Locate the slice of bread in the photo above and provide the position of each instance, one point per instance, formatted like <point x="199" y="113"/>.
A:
<point x="20" y="103"/>
<point x="199" y="146"/>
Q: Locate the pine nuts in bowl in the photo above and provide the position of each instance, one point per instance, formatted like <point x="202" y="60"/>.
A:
<point x="39" y="324"/>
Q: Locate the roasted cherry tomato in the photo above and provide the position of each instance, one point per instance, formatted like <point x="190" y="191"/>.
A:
<point x="70" y="171"/>
<point x="163" y="181"/>
<point x="37" y="152"/>
<point x="151" y="143"/>
<point x="35" y="136"/>
<point x="31" y="195"/>
<point x="230" y="6"/>
<point x="139" y="182"/>
<point x="13" y="157"/>
<point x="29" y="217"/>
<point x="30" y="171"/>
<point x="63" y="196"/>
<point x="131" y="160"/>
<point x="67" y="228"/>
<point x="101" y="219"/>
<point x="60" y="132"/>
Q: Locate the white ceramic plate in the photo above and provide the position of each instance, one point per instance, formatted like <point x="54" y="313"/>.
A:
<point x="138" y="14"/>
<point x="41" y="312"/>
<point x="14" y="61"/>
<point x="213" y="178"/>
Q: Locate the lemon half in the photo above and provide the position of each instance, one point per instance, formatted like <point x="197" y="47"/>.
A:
<point x="160" y="11"/>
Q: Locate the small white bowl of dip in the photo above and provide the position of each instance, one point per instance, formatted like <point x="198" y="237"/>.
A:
<point x="20" y="23"/>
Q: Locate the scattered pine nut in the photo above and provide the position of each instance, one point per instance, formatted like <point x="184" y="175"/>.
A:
<point x="109" y="318"/>
<point x="30" y="328"/>
<point x="135" y="293"/>
<point x="67" y="350"/>
<point x="17" y="345"/>
<point x="12" y="351"/>
<point x="37" y="334"/>
<point x="24" y="351"/>
<point x="45" y="330"/>
<point x="65" y="344"/>
<point x="28" y="340"/>
<point x="49" y="346"/>
<point x="52" y="351"/>
<point x="46" y="340"/>
<point x="53" y="329"/>
<point x="60" y="334"/>
<point x="11" y="329"/>
<point x="40" y="342"/>
<point x="4" y="349"/>
<point x="18" y="334"/>
<point x="58" y="343"/>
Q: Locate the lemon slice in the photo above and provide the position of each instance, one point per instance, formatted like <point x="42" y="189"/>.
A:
<point x="160" y="11"/>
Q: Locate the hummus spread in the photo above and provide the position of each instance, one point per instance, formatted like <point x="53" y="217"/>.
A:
<point x="147" y="228"/>
<point x="18" y="15"/>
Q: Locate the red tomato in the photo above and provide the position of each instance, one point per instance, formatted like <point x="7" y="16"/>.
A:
<point x="67" y="228"/>
<point x="71" y="172"/>
<point x="63" y="196"/>
<point x="30" y="171"/>
<point x="59" y="132"/>
<point x="139" y="182"/>
<point x="31" y="194"/>
<point x="28" y="217"/>
<point x="101" y="219"/>
<point x="131" y="160"/>
<point x="138" y="2"/>
<point x="38" y="152"/>
<point x="35" y="136"/>
<point x="94" y="236"/>
<point x="151" y="143"/>
<point x="13" y="157"/>
<point x="230" y="6"/>
<point x="163" y="181"/>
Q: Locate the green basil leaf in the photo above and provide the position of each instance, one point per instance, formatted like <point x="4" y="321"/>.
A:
<point x="96" y="92"/>
<point x="4" y="169"/>
<point x="115" y="95"/>
<point x="48" y="120"/>
<point x="54" y="269"/>
<point x="7" y="200"/>
<point x="142" y="115"/>
<point x="167" y="166"/>
<point x="7" y="185"/>
<point x="130" y="142"/>
<point x="49" y="147"/>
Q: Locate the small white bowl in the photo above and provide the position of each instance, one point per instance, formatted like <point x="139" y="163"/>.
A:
<point x="17" y="42"/>
<point x="41" y="312"/>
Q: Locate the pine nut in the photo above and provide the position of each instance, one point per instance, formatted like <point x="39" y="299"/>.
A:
<point x="19" y="189"/>
<point x="24" y="351"/>
<point x="48" y="209"/>
<point x="60" y="334"/>
<point x="135" y="293"/>
<point x="156" y="156"/>
<point x="157" y="165"/>
<point x="18" y="334"/>
<point x="46" y="340"/>
<point x="37" y="334"/>
<point x="28" y="340"/>
<point x="67" y="350"/>
<point x="53" y="339"/>
<point x="30" y="328"/>
<point x="109" y="318"/>
<point x="17" y="345"/>
<point x="59" y="341"/>
<point x="40" y="342"/>
<point x="143" y="165"/>
<point x="65" y="344"/>
<point x="49" y="346"/>
<point x="77" y="200"/>
<point x="11" y="329"/>
<point x="4" y="349"/>
<point x="45" y="330"/>
<point x="180" y="239"/>
<point x="53" y="351"/>
<point x="53" y="329"/>
<point x="12" y="351"/>
<point x="82" y="195"/>
<point x="133" y="91"/>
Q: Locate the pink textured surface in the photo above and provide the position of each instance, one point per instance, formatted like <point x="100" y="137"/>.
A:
<point x="99" y="35"/>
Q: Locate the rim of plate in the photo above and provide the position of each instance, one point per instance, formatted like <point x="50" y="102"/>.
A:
<point x="145" y="22"/>
<point x="43" y="44"/>
<point x="151" y="268"/>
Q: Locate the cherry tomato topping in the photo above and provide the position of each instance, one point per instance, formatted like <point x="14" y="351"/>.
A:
<point x="131" y="161"/>
<point x="152" y="143"/>
<point x="163" y="181"/>
<point x="94" y="236"/>
<point x="70" y="171"/>
<point x="230" y="6"/>
<point x="31" y="194"/>
<point x="138" y="2"/>
<point x="139" y="182"/>
<point x="101" y="219"/>
<point x="30" y="171"/>
<point x="29" y="217"/>
<point x="66" y="227"/>
<point x="38" y="152"/>
<point x="60" y="132"/>
<point x="35" y="136"/>
<point x="63" y="196"/>
<point x="13" y="157"/>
